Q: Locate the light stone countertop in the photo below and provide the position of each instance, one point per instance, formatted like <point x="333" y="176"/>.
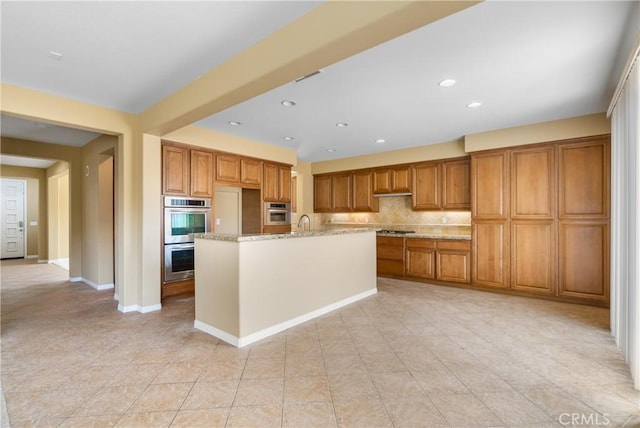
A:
<point x="325" y="232"/>
<point x="271" y="236"/>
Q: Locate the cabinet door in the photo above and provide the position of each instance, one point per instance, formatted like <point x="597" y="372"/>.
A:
<point x="341" y="199"/>
<point x="228" y="168"/>
<point x="284" y="183"/>
<point x="453" y="261"/>
<point x="321" y="194"/>
<point x="532" y="183"/>
<point x="363" y="199"/>
<point x="251" y="172"/>
<point x="270" y="183"/>
<point x="382" y="181"/>
<point x="489" y="185"/>
<point x="583" y="179"/>
<point x="175" y="170"/>
<point x="294" y="194"/>
<point x="426" y="186"/>
<point x="421" y="258"/>
<point x="456" y="182"/>
<point x="533" y="256"/>
<point x="201" y="174"/>
<point x="490" y="255"/>
<point x="401" y="179"/>
<point x="584" y="260"/>
<point x="390" y="255"/>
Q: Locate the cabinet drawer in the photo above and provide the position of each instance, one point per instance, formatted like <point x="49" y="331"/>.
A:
<point x="420" y="243"/>
<point x="391" y="253"/>
<point x="454" y="245"/>
<point x="390" y="241"/>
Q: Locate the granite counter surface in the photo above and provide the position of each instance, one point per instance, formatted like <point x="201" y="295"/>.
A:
<point x="271" y="236"/>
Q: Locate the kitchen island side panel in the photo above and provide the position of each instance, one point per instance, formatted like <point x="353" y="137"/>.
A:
<point x="280" y="280"/>
<point x="216" y="285"/>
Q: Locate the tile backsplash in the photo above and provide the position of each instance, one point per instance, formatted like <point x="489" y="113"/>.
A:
<point x="396" y="213"/>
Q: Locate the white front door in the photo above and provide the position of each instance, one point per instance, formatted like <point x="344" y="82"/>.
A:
<point x="12" y="214"/>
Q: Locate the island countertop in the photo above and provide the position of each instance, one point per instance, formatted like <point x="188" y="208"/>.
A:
<point x="271" y="236"/>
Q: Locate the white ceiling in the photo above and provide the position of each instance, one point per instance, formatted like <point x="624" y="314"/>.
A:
<point x="526" y="62"/>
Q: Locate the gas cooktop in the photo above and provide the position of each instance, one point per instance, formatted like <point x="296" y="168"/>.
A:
<point x="396" y="232"/>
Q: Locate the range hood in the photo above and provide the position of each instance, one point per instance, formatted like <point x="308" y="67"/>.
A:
<point x="383" y="195"/>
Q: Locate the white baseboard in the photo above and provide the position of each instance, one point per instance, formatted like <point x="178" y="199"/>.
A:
<point x="31" y="257"/>
<point x="63" y="263"/>
<point x="270" y="331"/>
<point x="97" y="286"/>
<point x="75" y="279"/>
<point x="138" y="308"/>
<point x="116" y="297"/>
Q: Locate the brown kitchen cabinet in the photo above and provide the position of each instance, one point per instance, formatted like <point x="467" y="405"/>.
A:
<point x="363" y="199"/>
<point x="421" y="258"/>
<point x="201" y="183"/>
<point x="346" y="191"/>
<point x="490" y="253"/>
<point x="453" y="261"/>
<point x="228" y="168"/>
<point x="322" y="193"/>
<point x="389" y="180"/>
<point x="284" y="228"/>
<point x="187" y="172"/>
<point x="175" y="170"/>
<point x="584" y="260"/>
<point x="441" y="185"/>
<point x="490" y="185"/>
<point x="250" y="172"/>
<point x="427" y="181"/>
<point x="456" y="183"/>
<point x="341" y="192"/>
<point x="390" y="255"/>
<point x="540" y="219"/>
<point x="277" y="183"/>
<point x="533" y="256"/>
<point x="294" y="194"/>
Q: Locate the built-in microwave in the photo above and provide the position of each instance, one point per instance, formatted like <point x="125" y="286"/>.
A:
<point x="277" y="213"/>
<point x="183" y="216"/>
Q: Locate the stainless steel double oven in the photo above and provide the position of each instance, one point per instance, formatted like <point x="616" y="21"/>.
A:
<point x="183" y="216"/>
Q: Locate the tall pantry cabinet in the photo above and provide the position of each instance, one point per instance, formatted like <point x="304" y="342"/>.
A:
<point x="540" y="219"/>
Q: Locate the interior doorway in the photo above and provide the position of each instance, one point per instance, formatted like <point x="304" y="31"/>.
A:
<point x="59" y="217"/>
<point x="13" y="219"/>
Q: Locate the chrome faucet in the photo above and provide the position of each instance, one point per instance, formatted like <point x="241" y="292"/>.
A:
<point x="300" y="222"/>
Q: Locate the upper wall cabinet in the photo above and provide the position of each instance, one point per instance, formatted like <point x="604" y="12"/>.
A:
<point x="441" y="185"/>
<point x="390" y="180"/>
<point x="277" y="183"/>
<point x="187" y="172"/>
<point x="238" y="171"/>
<point x="251" y="172"/>
<point x="175" y="170"/>
<point x="347" y="191"/>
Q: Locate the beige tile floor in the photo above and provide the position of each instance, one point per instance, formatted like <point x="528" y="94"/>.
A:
<point x="414" y="355"/>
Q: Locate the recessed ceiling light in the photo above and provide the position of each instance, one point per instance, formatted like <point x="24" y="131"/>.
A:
<point x="446" y="83"/>
<point x="342" y="124"/>
<point x="474" y="104"/>
<point x="331" y="150"/>
<point x="288" y="138"/>
<point x="381" y="140"/>
<point x="288" y="103"/>
<point x="55" y="55"/>
<point x="234" y="123"/>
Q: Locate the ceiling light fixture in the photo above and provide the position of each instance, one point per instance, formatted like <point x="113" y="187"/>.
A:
<point x="342" y="124"/>
<point x="288" y="103"/>
<point x="446" y="83"/>
<point x="331" y="150"/>
<point x="474" y="104"/>
<point x="288" y="138"/>
<point x="55" y="55"/>
<point x="234" y="123"/>
<point x="381" y="140"/>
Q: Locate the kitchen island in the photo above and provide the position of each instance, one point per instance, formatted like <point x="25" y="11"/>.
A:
<point x="250" y="287"/>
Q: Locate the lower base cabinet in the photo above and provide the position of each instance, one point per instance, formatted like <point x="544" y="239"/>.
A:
<point x="421" y="258"/>
<point x="390" y="255"/>
<point x="277" y="229"/>
<point x="453" y="261"/>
